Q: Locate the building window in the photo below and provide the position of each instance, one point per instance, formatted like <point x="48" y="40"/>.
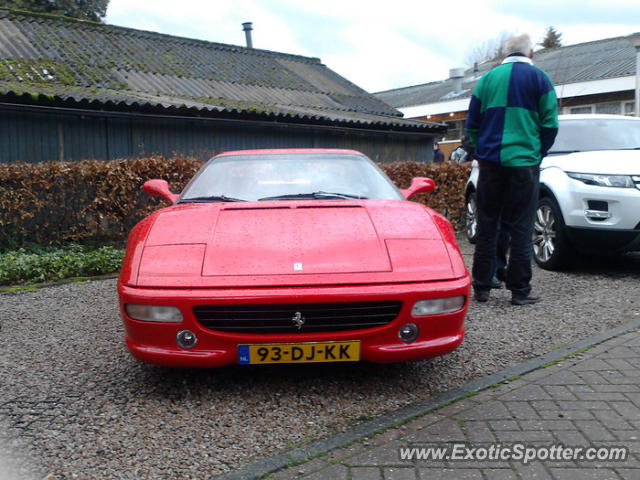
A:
<point x="613" y="108"/>
<point x="577" y="110"/>
<point x="455" y="129"/>
<point x="630" y="108"/>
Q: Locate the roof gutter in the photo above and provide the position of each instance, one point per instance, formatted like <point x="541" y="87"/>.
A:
<point x="568" y="90"/>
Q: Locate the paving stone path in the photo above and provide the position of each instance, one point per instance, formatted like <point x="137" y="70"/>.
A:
<point x="591" y="399"/>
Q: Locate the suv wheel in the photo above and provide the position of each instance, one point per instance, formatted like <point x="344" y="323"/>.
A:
<point x="550" y="247"/>
<point x="471" y="218"/>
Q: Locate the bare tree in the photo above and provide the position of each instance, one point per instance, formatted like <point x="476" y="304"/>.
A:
<point x="489" y="50"/>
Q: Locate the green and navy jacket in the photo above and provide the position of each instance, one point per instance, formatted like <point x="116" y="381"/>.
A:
<point x="513" y="114"/>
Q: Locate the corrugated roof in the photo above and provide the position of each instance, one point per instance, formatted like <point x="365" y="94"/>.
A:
<point x="68" y="60"/>
<point x="597" y="60"/>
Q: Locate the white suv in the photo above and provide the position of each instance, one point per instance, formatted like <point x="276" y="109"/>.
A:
<point x="589" y="190"/>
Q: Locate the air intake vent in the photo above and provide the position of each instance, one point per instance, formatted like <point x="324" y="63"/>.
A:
<point x="234" y="208"/>
<point x="297" y="318"/>
<point x="598" y="205"/>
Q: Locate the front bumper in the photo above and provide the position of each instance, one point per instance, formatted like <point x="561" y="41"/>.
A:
<point x="602" y="208"/>
<point x="598" y="239"/>
<point x="156" y="342"/>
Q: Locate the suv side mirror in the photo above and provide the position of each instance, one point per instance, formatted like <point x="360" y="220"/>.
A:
<point x="159" y="188"/>
<point x="419" y="185"/>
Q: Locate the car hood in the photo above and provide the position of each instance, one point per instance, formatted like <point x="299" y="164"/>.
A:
<point x="295" y="243"/>
<point x="614" y="162"/>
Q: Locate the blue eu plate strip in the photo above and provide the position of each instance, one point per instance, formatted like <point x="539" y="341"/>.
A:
<point x="243" y="355"/>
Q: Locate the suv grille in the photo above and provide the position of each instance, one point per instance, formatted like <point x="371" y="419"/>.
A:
<point x="296" y="318"/>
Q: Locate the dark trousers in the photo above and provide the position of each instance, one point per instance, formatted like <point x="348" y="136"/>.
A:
<point x="502" y="248"/>
<point x="507" y="198"/>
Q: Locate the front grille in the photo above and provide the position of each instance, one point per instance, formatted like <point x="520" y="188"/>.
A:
<point x="311" y="317"/>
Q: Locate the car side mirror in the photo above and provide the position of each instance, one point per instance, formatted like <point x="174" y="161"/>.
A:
<point x="419" y="185"/>
<point x="159" y="188"/>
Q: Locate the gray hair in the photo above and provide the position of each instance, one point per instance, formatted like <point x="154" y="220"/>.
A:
<point x="518" y="44"/>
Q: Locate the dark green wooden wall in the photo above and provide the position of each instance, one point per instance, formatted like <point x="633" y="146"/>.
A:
<point x="34" y="135"/>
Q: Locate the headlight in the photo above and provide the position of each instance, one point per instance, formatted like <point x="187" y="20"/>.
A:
<point x="153" y="313"/>
<point x="620" y="181"/>
<point x="435" y="306"/>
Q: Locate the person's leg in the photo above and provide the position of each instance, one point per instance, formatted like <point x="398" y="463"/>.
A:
<point x="489" y="202"/>
<point x="502" y="247"/>
<point x="519" y="214"/>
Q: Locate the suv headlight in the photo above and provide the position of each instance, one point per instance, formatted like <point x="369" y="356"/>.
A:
<point x="620" y="181"/>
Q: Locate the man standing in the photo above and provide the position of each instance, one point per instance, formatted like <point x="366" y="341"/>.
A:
<point x="438" y="156"/>
<point x="512" y="123"/>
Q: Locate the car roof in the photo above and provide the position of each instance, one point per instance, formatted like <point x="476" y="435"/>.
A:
<point x="270" y="151"/>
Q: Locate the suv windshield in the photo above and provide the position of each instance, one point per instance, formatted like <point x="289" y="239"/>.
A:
<point x="581" y="135"/>
<point x="289" y="176"/>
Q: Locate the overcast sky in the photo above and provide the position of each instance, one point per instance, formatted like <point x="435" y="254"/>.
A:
<point x="376" y="44"/>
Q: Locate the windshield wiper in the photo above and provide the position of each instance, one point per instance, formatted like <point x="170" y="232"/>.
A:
<point x="315" y="195"/>
<point x="211" y="198"/>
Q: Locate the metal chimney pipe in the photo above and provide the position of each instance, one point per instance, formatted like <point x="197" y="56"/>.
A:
<point x="456" y="74"/>
<point x="247" y="27"/>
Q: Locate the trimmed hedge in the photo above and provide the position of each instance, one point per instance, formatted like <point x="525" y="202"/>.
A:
<point x="58" y="202"/>
<point x="450" y="179"/>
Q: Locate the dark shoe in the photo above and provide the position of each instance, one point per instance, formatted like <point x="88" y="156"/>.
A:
<point x="481" y="295"/>
<point x="528" y="300"/>
<point x="495" y="283"/>
<point x="501" y="274"/>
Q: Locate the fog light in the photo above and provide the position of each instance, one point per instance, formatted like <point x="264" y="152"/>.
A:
<point x="186" y="339"/>
<point x="435" y="306"/>
<point x="409" y="332"/>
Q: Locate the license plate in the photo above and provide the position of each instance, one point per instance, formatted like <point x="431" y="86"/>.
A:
<point x="312" y="352"/>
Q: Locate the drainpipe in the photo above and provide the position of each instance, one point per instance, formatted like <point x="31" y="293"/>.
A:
<point x="247" y="27"/>
<point x="635" y="42"/>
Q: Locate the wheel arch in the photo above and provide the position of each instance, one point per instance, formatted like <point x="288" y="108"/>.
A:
<point x="469" y="190"/>
<point x="545" y="191"/>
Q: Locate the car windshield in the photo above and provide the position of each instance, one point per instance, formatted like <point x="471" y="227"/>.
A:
<point x="289" y="176"/>
<point x="581" y="135"/>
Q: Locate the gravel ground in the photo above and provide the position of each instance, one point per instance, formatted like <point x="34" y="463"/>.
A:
<point x="74" y="404"/>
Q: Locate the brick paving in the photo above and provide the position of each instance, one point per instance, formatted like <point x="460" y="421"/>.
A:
<point x="588" y="400"/>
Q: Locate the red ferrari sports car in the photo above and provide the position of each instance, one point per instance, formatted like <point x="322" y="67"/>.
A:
<point x="291" y="256"/>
